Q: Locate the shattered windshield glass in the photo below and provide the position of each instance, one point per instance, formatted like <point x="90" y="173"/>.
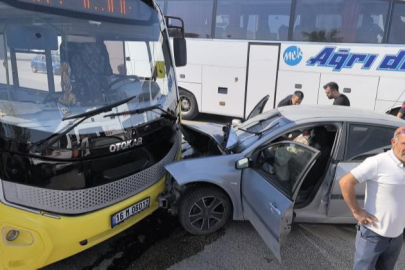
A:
<point x="252" y="130"/>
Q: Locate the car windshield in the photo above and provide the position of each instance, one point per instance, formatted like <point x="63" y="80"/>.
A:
<point x="92" y="63"/>
<point x="250" y="131"/>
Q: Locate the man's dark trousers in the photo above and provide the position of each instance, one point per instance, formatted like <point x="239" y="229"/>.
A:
<point x="374" y="251"/>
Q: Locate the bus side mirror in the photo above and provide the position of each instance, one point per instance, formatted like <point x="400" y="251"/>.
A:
<point x="180" y="51"/>
<point x="175" y="25"/>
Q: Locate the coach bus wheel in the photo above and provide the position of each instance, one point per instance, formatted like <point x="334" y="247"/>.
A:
<point x="188" y="105"/>
<point x="204" y="210"/>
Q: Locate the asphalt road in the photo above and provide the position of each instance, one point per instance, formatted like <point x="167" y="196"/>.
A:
<point x="158" y="242"/>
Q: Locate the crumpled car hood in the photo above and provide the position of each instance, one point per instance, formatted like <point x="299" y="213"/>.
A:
<point x="204" y="140"/>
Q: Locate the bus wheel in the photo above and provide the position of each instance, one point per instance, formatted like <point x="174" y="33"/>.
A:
<point x="188" y="105"/>
<point x="204" y="210"/>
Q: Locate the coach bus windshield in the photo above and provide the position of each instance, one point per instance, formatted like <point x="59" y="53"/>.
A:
<point x="59" y="65"/>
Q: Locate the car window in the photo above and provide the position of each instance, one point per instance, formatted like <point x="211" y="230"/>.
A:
<point x="363" y="139"/>
<point x="283" y="164"/>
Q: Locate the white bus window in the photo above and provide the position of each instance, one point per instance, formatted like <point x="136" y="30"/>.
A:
<point x="116" y="54"/>
<point x="32" y="70"/>
<point x="397" y="33"/>
<point x="197" y="16"/>
<point x="137" y="59"/>
<point x="258" y="20"/>
<point x="360" y="21"/>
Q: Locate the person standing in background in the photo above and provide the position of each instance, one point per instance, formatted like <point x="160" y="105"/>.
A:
<point x="294" y="99"/>
<point x="332" y="92"/>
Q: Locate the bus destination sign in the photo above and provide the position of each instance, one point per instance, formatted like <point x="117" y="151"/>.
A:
<point x="113" y="8"/>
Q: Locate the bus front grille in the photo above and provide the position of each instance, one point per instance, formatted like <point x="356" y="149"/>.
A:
<point x="86" y="200"/>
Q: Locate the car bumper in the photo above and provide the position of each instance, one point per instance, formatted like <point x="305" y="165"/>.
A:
<point x="43" y="240"/>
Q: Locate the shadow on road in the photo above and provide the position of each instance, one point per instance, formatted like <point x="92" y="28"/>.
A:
<point x="157" y="242"/>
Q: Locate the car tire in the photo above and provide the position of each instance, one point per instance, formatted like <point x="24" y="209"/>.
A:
<point x="204" y="210"/>
<point x="34" y="69"/>
<point x="189" y="108"/>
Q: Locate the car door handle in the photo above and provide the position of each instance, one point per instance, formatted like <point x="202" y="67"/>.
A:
<point x="275" y="209"/>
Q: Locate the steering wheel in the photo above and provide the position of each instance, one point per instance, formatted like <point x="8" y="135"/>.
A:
<point x="123" y="78"/>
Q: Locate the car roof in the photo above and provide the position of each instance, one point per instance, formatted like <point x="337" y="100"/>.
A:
<point x="336" y="113"/>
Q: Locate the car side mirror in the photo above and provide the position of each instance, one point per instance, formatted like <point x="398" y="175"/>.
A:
<point x="242" y="164"/>
<point x="236" y="122"/>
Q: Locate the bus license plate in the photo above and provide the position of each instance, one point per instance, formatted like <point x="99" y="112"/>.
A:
<point x="129" y="212"/>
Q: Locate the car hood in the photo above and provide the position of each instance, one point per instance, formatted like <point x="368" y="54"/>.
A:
<point x="203" y="140"/>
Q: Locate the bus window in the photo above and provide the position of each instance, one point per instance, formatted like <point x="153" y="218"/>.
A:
<point x="397" y="33"/>
<point x="137" y="59"/>
<point x="32" y="63"/>
<point x="116" y="54"/>
<point x="340" y="20"/>
<point x="31" y="67"/>
<point x="258" y="20"/>
<point x="197" y="15"/>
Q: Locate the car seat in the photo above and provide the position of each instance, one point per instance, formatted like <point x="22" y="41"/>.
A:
<point x="319" y="142"/>
<point x="90" y="69"/>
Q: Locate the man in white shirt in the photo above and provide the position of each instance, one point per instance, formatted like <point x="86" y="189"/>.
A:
<point x="382" y="221"/>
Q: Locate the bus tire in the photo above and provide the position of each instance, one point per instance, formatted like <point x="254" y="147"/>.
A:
<point x="198" y="221"/>
<point x="189" y="108"/>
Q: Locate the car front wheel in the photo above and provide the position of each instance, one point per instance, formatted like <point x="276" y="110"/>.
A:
<point x="34" y="69"/>
<point x="204" y="210"/>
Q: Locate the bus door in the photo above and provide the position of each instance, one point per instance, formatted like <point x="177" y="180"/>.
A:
<point x="262" y="69"/>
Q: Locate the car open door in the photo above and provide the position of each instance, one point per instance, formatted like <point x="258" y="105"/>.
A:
<point x="269" y="188"/>
<point x="258" y="109"/>
<point x="337" y="207"/>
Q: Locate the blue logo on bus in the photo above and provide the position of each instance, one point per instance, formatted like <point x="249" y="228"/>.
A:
<point x="292" y="56"/>
<point x="342" y="58"/>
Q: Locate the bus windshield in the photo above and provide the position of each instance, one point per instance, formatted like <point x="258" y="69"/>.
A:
<point x="55" y="65"/>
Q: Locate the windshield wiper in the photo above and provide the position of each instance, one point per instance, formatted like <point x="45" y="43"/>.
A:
<point x="106" y="108"/>
<point x="169" y="115"/>
<point x="43" y="144"/>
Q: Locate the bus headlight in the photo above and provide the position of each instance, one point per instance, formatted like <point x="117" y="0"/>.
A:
<point x="12" y="235"/>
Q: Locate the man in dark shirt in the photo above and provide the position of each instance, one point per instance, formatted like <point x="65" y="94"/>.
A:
<point x="294" y="99"/>
<point x="332" y="91"/>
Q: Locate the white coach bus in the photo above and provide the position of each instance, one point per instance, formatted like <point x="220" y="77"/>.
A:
<point x="242" y="50"/>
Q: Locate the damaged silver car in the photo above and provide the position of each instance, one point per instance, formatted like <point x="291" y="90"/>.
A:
<point x="277" y="168"/>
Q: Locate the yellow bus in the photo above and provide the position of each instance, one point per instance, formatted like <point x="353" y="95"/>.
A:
<point x="88" y="117"/>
